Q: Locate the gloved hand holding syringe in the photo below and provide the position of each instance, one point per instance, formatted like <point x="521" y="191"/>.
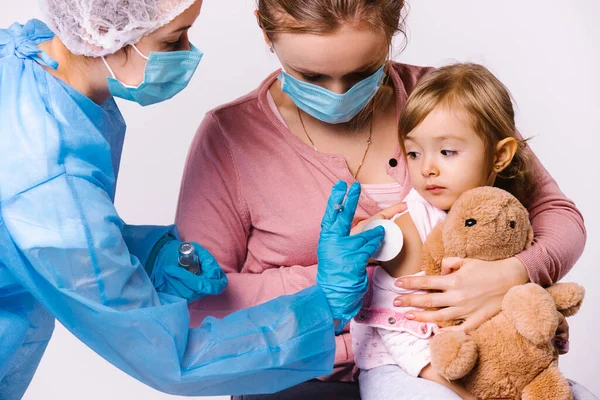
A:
<point x="188" y="258"/>
<point x="187" y="270"/>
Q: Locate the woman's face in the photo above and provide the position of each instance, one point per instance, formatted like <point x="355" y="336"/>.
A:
<point x="335" y="61"/>
<point x="173" y="36"/>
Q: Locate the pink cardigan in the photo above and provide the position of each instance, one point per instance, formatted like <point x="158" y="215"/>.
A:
<point x="253" y="194"/>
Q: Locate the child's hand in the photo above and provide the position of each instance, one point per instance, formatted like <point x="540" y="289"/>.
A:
<point x="471" y="292"/>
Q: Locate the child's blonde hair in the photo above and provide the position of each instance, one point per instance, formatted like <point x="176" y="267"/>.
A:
<point x="487" y="102"/>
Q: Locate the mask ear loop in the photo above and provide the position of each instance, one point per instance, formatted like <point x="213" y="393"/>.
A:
<point x="139" y="52"/>
<point x="108" y="68"/>
<point x="112" y="72"/>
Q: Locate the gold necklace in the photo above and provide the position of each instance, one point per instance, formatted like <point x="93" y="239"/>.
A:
<point x="369" y="142"/>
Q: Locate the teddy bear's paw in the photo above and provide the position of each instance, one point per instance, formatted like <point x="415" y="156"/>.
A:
<point x="453" y="354"/>
<point x="549" y="384"/>
<point x="568" y="297"/>
<point x="531" y="310"/>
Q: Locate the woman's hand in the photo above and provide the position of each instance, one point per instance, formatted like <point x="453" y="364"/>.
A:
<point x="470" y="290"/>
<point x="384" y="214"/>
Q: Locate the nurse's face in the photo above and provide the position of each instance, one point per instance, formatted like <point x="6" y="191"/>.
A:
<point x="335" y="61"/>
<point x="128" y="65"/>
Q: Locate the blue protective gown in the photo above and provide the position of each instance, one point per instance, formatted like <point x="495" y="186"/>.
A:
<point x="65" y="253"/>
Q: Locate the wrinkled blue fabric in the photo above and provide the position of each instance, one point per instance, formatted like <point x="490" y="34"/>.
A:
<point x="64" y="252"/>
<point x="343" y="259"/>
<point x="141" y="240"/>
<point x="25" y="329"/>
<point x="169" y="277"/>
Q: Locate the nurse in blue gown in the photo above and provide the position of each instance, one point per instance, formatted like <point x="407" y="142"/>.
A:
<point x="65" y="253"/>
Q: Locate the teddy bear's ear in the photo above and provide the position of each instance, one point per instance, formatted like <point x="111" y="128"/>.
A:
<point x="567" y="296"/>
<point x="529" y="237"/>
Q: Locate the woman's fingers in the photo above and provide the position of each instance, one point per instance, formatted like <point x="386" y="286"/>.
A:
<point x="473" y="290"/>
<point x="473" y="321"/>
<point x="452" y="264"/>
<point x="439" y="316"/>
<point x="429" y="300"/>
<point x="428" y="282"/>
<point x="444" y="315"/>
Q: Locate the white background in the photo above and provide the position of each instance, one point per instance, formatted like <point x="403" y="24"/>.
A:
<point x="545" y="51"/>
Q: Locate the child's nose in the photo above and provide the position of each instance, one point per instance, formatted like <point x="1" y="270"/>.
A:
<point x="429" y="169"/>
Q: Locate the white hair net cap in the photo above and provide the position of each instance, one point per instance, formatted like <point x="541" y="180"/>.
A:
<point x="101" y="27"/>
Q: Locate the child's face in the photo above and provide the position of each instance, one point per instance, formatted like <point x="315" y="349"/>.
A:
<point x="446" y="157"/>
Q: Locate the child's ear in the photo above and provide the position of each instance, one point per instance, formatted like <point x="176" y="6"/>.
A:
<point x="504" y="153"/>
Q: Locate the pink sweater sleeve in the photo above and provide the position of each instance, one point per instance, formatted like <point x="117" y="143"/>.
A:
<point x="212" y="212"/>
<point x="559" y="232"/>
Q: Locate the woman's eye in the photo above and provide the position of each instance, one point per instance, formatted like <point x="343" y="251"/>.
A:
<point x="448" y="152"/>
<point x="311" y="78"/>
<point x="412" y="154"/>
<point x="359" y="76"/>
<point x="172" y="45"/>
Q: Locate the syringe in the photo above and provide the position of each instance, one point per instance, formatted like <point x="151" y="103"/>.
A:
<point x="188" y="258"/>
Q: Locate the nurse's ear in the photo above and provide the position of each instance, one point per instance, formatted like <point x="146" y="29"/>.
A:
<point x="265" y="36"/>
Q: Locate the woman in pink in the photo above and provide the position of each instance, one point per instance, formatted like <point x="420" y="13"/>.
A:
<point x="260" y="169"/>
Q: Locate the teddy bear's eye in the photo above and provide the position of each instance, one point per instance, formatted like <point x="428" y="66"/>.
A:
<point x="512" y="224"/>
<point x="470" y="222"/>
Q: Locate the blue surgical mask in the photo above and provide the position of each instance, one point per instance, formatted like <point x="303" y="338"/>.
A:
<point x="327" y="106"/>
<point x="165" y="75"/>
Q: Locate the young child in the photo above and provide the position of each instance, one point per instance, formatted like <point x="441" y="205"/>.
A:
<point x="458" y="132"/>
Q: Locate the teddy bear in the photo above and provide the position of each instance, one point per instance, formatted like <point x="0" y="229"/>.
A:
<point x="514" y="355"/>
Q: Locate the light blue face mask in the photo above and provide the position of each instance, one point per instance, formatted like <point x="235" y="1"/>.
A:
<point x="165" y="75"/>
<point x="327" y="106"/>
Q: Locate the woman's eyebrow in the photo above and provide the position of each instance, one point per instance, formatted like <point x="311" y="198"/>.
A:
<point x="356" y="71"/>
<point x="183" y="28"/>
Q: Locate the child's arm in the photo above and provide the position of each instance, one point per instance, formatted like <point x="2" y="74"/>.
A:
<point x="408" y="262"/>
<point x="429" y="373"/>
<point x="410" y="353"/>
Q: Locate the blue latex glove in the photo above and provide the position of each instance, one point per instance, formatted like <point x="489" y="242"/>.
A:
<point x="343" y="259"/>
<point x="169" y="277"/>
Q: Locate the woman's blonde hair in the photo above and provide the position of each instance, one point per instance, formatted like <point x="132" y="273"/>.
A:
<point x="487" y="102"/>
<point x="327" y="16"/>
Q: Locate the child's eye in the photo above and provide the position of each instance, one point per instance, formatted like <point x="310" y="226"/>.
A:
<point x="412" y="154"/>
<point x="448" y="152"/>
